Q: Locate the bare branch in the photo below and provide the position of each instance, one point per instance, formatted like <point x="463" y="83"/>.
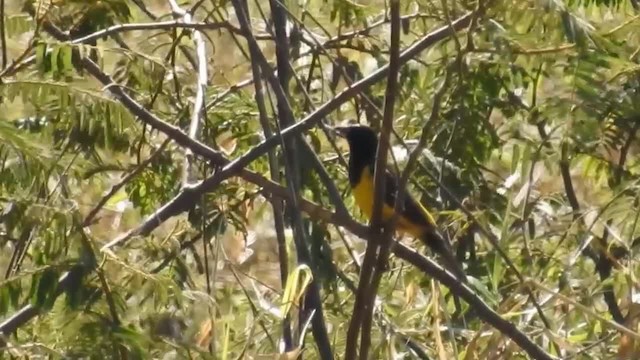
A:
<point x="159" y="25"/>
<point x="189" y="195"/>
<point x="312" y="300"/>
<point x="201" y="85"/>
<point x="277" y="204"/>
<point x="373" y="262"/>
<point x="379" y="179"/>
<point x="3" y="36"/>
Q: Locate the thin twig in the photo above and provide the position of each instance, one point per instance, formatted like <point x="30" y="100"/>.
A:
<point x="3" y="35"/>
<point x="385" y="239"/>
<point x="277" y="205"/>
<point x="293" y="176"/>
<point x="201" y="86"/>
<point x="160" y="25"/>
<point x="602" y="262"/>
<point x="312" y="300"/>
<point x="125" y="180"/>
<point x="285" y="111"/>
<point x="605" y="262"/>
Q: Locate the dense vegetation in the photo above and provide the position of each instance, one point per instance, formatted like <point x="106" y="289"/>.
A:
<point x="157" y="202"/>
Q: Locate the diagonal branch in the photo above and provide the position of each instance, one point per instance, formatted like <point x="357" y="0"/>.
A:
<point x="233" y="167"/>
<point x="285" y="113"/>
<point x="125" y="180"/>
<point x="189" y="195"/>
<point x="318" y="214"/>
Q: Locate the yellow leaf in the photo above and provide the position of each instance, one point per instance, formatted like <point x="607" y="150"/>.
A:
<point x="297" y="282"/>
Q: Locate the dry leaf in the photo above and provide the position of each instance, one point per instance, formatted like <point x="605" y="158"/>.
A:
<point x="227" y="143"/>
<point x="410" y="292"/>
<point x="205" y="334"/>
<point x="629" y="348"/>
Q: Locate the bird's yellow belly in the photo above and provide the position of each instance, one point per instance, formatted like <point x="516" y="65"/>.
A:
<point x="363" y="193"/>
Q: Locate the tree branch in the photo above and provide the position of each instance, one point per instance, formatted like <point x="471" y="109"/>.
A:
<point x="377" y="251"/>
<point x="201" y="85"/>
<point x="277" y="205"/>
<point x="125" y="180"/>
<point x="187" y="197"/>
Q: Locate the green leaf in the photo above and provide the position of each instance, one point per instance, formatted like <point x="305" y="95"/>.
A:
<point x="41" y="56"/>
<point x="46" y="292"/>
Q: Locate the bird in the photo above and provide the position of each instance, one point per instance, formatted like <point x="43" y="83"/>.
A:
<point x="414" y="219"/>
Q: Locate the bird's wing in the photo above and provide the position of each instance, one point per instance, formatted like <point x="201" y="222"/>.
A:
<point x="418" y="215"/>
<point x="413" y="211"/>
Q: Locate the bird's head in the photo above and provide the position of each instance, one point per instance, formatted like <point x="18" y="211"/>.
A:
<point x="358" y="136"/>
<point x="363" y="144"/>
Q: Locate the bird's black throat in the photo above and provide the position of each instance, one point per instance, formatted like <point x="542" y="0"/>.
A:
<point x="363" y="144"/>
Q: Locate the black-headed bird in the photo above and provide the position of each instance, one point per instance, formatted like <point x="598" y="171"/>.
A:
<point x="414" y="219"/>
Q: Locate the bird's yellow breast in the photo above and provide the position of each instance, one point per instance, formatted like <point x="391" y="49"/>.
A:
<point x="363" y="192"/>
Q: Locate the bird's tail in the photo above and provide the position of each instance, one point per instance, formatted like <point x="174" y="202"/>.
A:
<point x="442" y="247"/>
